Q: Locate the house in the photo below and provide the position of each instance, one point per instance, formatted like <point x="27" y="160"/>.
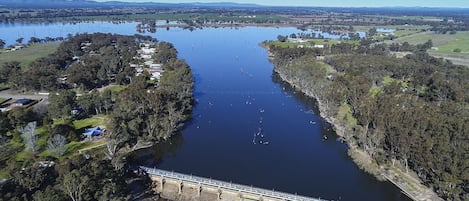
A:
<point x="156" y="66"/>
<point x="21" y="102"/>
<point x="95" y="131"/>
<point x="155" y="76"/>
<point x="139" y="70"/>
<point x="318" y="46"/>
<point x="320" y="58"/>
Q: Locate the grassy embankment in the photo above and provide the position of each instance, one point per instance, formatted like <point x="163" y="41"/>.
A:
<point x="28" y="54"/>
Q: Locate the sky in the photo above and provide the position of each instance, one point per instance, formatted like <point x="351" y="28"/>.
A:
<point x="331" y="3"/>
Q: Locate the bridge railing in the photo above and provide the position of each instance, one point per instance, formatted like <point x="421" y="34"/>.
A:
<point x="226" y="185"/>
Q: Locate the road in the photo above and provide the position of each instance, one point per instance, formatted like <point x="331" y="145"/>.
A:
<point x="16" y="95"/>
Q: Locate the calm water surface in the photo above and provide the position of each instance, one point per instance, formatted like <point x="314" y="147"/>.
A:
<point x="236" y="95"/>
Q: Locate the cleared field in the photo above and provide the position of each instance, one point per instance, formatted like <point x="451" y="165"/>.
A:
<point x="446" y="43"/>
<point x="396" y="27"/>
<point x="28" y="54"/>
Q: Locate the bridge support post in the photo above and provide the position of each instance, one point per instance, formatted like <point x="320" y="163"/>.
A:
<point x="180" y="187"/>
<point x="240" y="195"/>
<point x="162" y="184"/>
<point x="219" y="194"/>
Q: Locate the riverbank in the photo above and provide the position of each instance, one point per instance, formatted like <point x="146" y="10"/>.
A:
<point x="408" y="182"/>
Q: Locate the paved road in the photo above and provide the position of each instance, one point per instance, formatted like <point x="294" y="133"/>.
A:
<point x="16" y="95"/>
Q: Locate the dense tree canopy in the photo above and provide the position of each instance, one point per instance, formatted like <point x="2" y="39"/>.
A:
<point x="413" y="109"/>
<point x="139" y="110"/>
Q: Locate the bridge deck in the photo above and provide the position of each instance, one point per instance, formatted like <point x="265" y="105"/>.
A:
<point x="228" y="186"/>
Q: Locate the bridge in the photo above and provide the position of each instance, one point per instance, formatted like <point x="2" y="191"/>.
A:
<point x="177" y="186"/>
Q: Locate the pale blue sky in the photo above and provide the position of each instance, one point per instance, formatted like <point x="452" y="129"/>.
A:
<point x="333" y="3"/>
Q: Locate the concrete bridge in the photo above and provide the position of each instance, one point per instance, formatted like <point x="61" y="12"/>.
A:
<point x="177" y="186"/>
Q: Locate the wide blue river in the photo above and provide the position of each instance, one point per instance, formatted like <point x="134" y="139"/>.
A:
<point x="248" y="127"/>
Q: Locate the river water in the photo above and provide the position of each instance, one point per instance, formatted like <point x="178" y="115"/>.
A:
<point x="248" y="126"/>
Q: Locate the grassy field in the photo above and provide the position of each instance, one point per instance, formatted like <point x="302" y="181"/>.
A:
<point x="27" y="55"/>
<point x="446" y="43"/>
<point x="308" y="43"/>
<point x="182" y="16"/>
<point x="396" y="27"/>
<point x="97" y="120"/>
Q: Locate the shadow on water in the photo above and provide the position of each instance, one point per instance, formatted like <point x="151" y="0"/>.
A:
<point x="152" y="156"/>
<point x="327" y="131"/>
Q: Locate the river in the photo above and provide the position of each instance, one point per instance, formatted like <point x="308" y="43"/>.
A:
<point x="248" y="127"/>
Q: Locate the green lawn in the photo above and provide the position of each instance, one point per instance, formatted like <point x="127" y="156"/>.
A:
<point x="98" y="120"/>
<point x="74" y="147"/>
<point x="117" y="88"/>
<point x="2" y="99"/>
<point x="446" y="43"/>
<point x="27" y="55"/>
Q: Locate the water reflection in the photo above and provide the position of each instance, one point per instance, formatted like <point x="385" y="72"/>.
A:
<point x="152" y="156"/>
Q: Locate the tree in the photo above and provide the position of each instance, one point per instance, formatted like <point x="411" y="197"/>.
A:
<point x="35" y="177"/>
<point x="372" y="32"/>
<point x="29" y="136"/>
<point x="33" y="40"/>
<point x="74" y="185"/>
<point x="61" y="103"/>
<point x="2" y="44"/>
<point x="166" y="52"/>
<point x="10" y="72"/>
<point x="19" y="40"/>
<point x="51" y="193"/>
<point x="57" y="144"/>
<point x="281" y="38"/>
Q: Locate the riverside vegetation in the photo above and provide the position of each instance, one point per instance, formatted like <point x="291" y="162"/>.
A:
<point x="410" y="112"/>
<point x="39" y="146"/>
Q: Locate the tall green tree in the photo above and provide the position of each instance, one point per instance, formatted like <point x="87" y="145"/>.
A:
<point x="61" y="103"/>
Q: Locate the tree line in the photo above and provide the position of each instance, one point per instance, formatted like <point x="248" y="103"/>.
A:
<point x="43" y="165"/>
<point x="411" y="111"/>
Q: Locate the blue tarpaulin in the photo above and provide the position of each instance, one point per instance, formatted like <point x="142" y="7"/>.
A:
<point x="93" y="131"/>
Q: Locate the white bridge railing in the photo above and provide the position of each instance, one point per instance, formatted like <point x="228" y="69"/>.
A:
<point x="228" y="186"/>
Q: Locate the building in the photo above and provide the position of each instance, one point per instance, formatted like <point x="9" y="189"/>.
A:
<point x="95" y="131"/>
<point x="22" y="102"/>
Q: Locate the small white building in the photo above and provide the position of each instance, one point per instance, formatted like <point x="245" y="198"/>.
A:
<point x="318" y="46"/>
<point x="155" y="76"/>
<point x="155" y="66"/>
